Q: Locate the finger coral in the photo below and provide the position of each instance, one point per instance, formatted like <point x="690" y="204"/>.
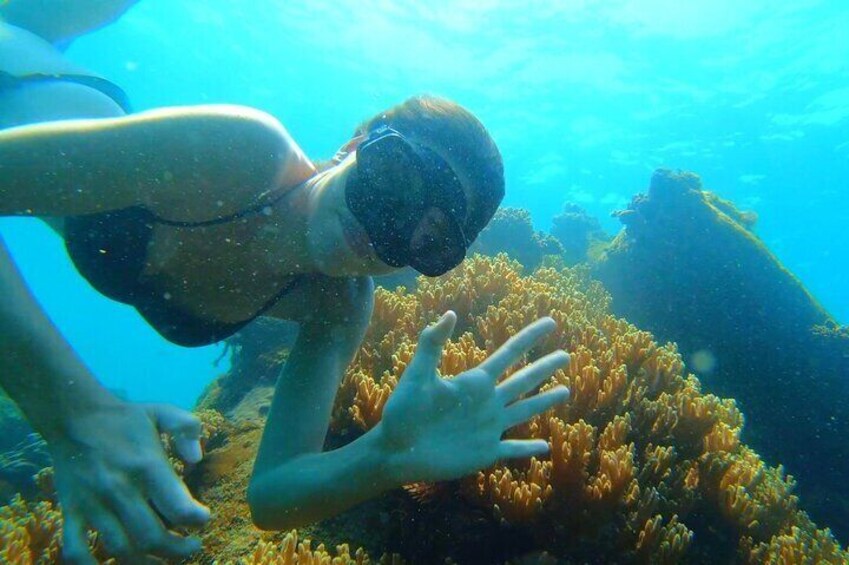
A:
<point x="30" y="533"/>
<point x="293" y="552"/>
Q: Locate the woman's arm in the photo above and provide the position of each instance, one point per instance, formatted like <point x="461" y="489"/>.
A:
<point x="293" y="481"/>
<point x="96" y="441"/>
<point x="432" y="428"/>
<point x="184" y="164"/>
<point x="38" y="369"/>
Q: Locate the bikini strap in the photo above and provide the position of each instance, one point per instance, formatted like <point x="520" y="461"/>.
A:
<point x="256" y="208"/>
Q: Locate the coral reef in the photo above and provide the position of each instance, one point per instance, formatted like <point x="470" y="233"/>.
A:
<point x="20" y="452"/>
<point x="510" y="231"/>
<point x="579" y="233"/>
<point x="19" y="464"/>
<point x="293" y="552"/>
<point x="688" y="268"/>
<point x="644" y="467"/>
<point x="30" y="532"/>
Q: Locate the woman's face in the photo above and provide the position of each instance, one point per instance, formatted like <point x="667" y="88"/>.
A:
<point x="338" y="244"/>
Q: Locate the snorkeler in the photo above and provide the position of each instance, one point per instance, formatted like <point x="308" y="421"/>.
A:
<point x="204" y="218"/>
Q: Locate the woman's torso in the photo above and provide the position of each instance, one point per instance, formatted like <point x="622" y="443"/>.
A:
<point x="225" y="272"/>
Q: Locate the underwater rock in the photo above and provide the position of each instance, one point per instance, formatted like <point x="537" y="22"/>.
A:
<point x="19" y="465"/>
<point x="22" y="452"/>
<point x="256" y="354"/>
<point x="688" y="268"/>
<point x="12" y="422"/>
<point x="579" y="233"/>
<point x="510" y="231"/>
<point x="405" y="277"/>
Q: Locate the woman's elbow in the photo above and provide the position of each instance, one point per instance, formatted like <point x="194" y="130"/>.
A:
<point x="264" y="515"/>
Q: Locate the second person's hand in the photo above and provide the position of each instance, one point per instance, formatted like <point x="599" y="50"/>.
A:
<point x="112" y="475"/>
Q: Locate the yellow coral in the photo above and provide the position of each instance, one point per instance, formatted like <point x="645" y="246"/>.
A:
<point x="518" y="498"/>
<point x="294" y="552"/>
<point x="658" y="543"/>
<point x="291" y="551"/>
<point x="571" y="450"/>
<point x="800" y="545"/>
<point x="754" y="497"/>
<point x="30" y="533"/>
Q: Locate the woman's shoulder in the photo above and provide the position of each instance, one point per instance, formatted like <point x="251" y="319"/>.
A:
<point x="191" y="163"/>
<point x="244" y="134"/>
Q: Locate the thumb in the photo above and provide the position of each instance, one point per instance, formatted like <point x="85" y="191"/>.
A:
<point x="183" y="427"/>
<point x="429" y="349"/>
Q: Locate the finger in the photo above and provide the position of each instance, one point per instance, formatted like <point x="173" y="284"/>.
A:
<point x="146" y="532"/>
<point x="172" y="499"/>
<point x="188" y="450"/>
<point x="429" y="350"/>
<point x="514" y="448"/>
<point x="184" y="428"/>
<point x="530" y="377"/>
<point x="514" y="348"/>
<point x="75" y="540"/>
<point x="524" y="410"/>
<point x="111" y="532"/>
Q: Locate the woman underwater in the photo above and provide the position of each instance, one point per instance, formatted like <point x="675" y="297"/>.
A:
<point x="207" y="217"/>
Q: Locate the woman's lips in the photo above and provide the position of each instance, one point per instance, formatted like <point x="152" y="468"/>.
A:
<point x="355" y="237"/>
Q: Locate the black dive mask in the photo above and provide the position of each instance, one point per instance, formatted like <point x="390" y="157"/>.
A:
<point x="410" y="203"/>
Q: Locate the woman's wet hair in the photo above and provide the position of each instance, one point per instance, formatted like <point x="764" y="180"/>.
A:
<point x="462" y="140"/>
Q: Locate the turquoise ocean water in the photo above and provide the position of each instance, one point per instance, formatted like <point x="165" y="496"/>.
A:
<point x="585" y="99"/>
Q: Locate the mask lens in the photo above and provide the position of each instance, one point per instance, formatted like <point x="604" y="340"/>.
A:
<point x="410" y="203"/>
<point x="391" y="175"/>
<point x="437" y="244"/>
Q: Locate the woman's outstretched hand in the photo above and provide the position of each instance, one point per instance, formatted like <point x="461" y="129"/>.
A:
<point x="112" y="475"/>
<point x="441" y="429"/>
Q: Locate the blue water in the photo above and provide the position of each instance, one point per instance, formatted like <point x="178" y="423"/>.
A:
<point x="584" y="98"/>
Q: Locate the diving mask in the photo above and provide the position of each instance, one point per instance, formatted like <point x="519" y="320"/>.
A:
<point x="410" y="203"/>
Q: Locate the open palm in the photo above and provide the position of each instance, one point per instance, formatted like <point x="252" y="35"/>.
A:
<point x="440" y="429"/>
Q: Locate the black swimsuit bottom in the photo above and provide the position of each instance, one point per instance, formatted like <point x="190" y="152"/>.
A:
<point x="110" y="89"/>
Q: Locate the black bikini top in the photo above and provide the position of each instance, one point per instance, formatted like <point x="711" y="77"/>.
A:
<point x="110" y="250"/>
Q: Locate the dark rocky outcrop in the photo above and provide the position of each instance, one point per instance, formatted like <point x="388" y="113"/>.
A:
<point x="688" y="267"/>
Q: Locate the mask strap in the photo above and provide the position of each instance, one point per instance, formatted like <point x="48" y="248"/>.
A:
<point x="348" y="148"/>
